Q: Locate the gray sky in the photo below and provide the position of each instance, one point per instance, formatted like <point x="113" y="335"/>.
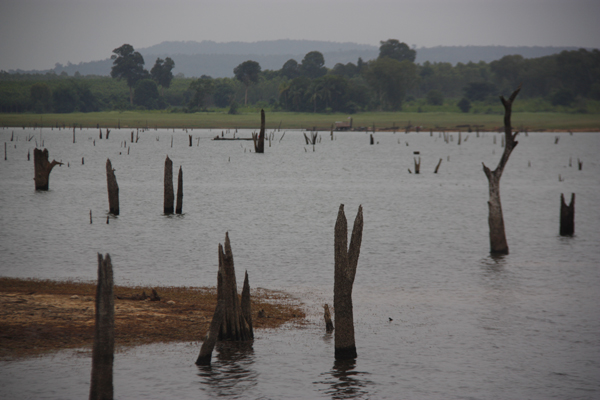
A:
<point x="36" y="34"/>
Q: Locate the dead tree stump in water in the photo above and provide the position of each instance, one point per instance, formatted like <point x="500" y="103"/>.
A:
<point x="498" y="244"/>
<point x="417" y="165"/>
<point x="327" y="317"/>
<point x="42" y="168"/>
<point x="259" y="142"/>
<point x="168" y="193"/>
<point x="567" y="216"/>
<point x="438" y="166"/>
<point x="212" y="335"/>
<point x="113" y="189"/>
<point x="101" y="385"/>
<point x="346" y="261"/>
<point x="179" y="207"/>
<point x="246" y="304"/>
<point x="234" y="326"/>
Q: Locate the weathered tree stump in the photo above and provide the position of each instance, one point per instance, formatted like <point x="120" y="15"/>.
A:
<point x="234" y="326"/>
<point x="179" y="207"/>
<point x="42" y="168"/>
<point x="498" y="244"/>
<point x="168" y="193"/>
<point x="417" y="165"/>
<point x="567" y="216"/>
<point x="438" y="166"/>
<point x="372" y="140"/>
<point x="246" y="304"/>
<point x="101" y="386"/>
<point x="346" y="261"/>
<point x="211" y="336"/>
<point x="113" y="189"/>
<point x="259" y="141"/>
<point x="327" y="317"/>
<point x="190" y="137"/>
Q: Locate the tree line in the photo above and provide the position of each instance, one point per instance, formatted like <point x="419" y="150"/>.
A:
<point x="385" y="83"/>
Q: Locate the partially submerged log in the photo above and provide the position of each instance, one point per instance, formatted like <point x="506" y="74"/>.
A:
<point x="113" y="189"/>
<point x="42" y="168"/>
<point x="259" y="142"/>
<point x="567" y="216"/>
<point x="101" y="385"/>
<point x="346" y="261"/>
<point x="437" y="166"/>
<point x="168" y="192"/>
<point x="498" y="244"/>
<point x="234" y="326"/>
<point x="179" y="207"/>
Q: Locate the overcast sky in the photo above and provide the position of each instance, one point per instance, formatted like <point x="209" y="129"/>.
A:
<point x="36" y="34"/>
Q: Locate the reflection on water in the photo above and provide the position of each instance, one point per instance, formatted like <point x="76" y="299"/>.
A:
<point x="344" y="382"/>
<point x="231" y="373"/>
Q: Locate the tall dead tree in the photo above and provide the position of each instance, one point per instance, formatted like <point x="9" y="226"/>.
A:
<point x="42" y="168"/>
<point x="346" y="261"/>
<point x="101" y="386"/>
<point x="234" y="326"/>
<point x="113" y="189"/>
<point x="259" y="141"/>
<point x="179" y="206"/>
<point x="168" y="193"/>
<point x="498" y="243"/>
<point x="567" y="216"/>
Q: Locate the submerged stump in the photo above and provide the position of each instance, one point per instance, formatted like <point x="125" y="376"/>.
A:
<point x="498" y="244"/>
<point x="101" y="385"/>
<point x="168" y="193"/>
<point x="346" y="261"/>
<point x="113" y="189"/>
<point x="327" y="317"/>
<point x="567" y="216"/>
<point x="179" y="207"/>
<point x="211" y="336"/>
<point x="42" y="168"/>
<point x="259" y="142"/>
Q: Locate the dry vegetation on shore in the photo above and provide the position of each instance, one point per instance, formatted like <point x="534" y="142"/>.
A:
<point x="39" y="316"/>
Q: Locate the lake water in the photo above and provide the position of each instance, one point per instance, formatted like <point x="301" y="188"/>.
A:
<point x="464" y="325"/>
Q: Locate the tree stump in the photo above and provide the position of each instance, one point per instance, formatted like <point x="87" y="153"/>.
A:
<point x="212" y="334"/>
<point x="179" y="207"/>
<point x="113" y="189"/>
<point x="246" y="304"/>
<point x="438" y="166"/>
<point x="417" y="165"/>
<point x="567" y="216"/>
<point x="234" y="326"/>
<point x="498" y="244"/>
<point x="259" y="141"/>
<point x="327" y="317"/>
<point x="346" y="261"/>
<point x="42" y="168"/>
<point x="168" y="193"/>
<point x="101" y="386"/>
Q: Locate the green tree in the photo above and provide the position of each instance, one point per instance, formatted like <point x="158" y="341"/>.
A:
<point x="247" y="72"/>
<point x="146" y="94"/>
<point x="129" y="65"/>
<point x="390" y="79"/>
<point x="475" y="91"/>
<point x="202" y="88"/>
<point x="162" y="72"/>
<point x="290" y="69"/>
<point x="396" y="50"/>
<point x="224" y="94"/>
<point x="464" y="104"/>
<point x="41" y="97"/>
<point x="312" y="65"/>
<point x="435" y="98"/>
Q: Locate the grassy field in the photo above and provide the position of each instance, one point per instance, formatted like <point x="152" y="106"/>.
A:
<point x="250" y="119"/>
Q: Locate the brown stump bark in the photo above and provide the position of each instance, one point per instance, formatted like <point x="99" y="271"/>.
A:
<point x="259" y="142"/>
<point x="179" y="206"/>
<point x="327" y="317"/>
<point x="346" y="261"/>
<point x="567" y="216"/>
<point x="498" y="244"/>
<point x="211" y="337"/>
<point x="113" y="189"/>
<point x="372" y="141"/>
<point x="246" y="305"/>
<point x="234" y="326"/>
<point x="417" y="165"/>
<point x="438" y="166"/>
<point x="42" y="168"/>
<point x="168" y="193"/>
<point x="101" y="386"/>
<point x="190" y="137"/>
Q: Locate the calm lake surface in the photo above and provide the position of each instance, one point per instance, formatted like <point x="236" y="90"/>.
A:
<point x="464" y="325"/>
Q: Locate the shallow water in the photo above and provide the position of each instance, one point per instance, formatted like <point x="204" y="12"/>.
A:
<point x="464" y="325"/>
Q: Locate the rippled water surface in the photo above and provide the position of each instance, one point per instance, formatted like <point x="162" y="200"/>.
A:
<point x="463" y="324"/>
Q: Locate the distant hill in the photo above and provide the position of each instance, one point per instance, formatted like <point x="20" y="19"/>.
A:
<point x="218" y="60"/>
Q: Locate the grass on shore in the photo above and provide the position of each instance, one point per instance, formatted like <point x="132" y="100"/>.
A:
<point x="250" y="119"/>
